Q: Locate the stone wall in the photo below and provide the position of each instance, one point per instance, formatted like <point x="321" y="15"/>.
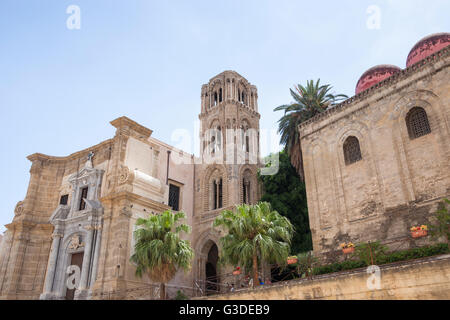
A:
<point x="399" y="181"/>
<point x="427" y="278"/>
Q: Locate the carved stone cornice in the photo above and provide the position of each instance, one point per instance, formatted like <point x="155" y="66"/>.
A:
<point x="21" y="226"/>
<point x="134" y="198"/>
<point x="228" y="101"/>
<point x="127" y="123"/>
<point x="80" y="154"/>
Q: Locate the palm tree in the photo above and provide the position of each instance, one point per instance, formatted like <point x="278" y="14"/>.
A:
<point x="255" y="234"/>
<point x="159" y="251"/>
<point x="309" y="101"/>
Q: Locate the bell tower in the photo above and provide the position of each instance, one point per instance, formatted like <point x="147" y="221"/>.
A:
<point x="229" y="137"/>
<point x="227" y="173"/>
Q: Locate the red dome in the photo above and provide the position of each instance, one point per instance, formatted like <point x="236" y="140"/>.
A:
<point x="375" y="75"/>
<point x="427" y="46"/>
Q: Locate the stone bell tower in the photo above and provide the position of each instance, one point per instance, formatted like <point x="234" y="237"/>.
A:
<point x="227" y="174"/>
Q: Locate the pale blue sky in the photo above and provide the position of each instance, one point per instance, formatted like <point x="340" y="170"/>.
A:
<point x="59" y="88"/>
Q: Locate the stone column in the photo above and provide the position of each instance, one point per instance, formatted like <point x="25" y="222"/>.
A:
<point x="51" y="266"/>
<point x="86" y="259"/>
<point x="96" y="255"/>
<point x="209" y="99"/>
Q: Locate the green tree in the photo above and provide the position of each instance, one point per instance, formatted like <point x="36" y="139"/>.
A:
<point x="287" y="195"/>
<point x="256" y="234"/>
<point x="442" y="226"/>
<point x="370" y="252"/>
<point x="159" y="250"/>
<point x="308" y="102"/>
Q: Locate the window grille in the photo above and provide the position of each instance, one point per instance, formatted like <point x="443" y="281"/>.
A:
<point x="352" y="151"/>
<point x="174" y="197"/>
<point x="64" y="199"/>
<point x="417" y="123"/>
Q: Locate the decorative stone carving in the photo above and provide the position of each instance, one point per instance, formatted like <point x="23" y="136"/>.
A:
<point x="75" y="242"/>
<point x="19" y="208"/>
<point x="124" y="175"/>
<point x="57" y="235"/>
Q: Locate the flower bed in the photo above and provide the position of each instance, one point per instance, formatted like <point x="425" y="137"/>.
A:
<point x="403" y="255"/>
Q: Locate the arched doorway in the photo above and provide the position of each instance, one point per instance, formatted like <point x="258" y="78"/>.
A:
<point x="211" y="276"/>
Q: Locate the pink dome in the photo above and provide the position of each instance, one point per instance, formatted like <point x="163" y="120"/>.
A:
<point x="375" y="75"/>
<point x="427" y="46"/>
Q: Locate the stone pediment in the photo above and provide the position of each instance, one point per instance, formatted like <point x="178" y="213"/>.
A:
<point x="61" y="213"/>
<point x="93" y="204"/>
<point x="86" y="172"/>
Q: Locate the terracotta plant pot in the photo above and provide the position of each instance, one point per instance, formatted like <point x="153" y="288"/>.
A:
<point x="348" y="250"/>
<point x="419" y="233"/>
<point x="236" y="272"/>
<point x="292" y="261"/>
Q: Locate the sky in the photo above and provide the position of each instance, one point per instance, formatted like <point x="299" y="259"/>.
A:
<point x="147" y="60"/>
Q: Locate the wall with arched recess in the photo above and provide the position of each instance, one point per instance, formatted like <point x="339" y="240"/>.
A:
<point x="399" y="181"/>
<point x="426" y="156"/>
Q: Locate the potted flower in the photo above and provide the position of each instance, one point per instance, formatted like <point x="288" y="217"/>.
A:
<point x="420" y="231"/>
<point x="292" y="260"/>
<point x="347" y="247"/>
<point x="237" y="271"/>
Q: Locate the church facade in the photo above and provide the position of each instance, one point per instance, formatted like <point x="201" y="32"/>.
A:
<point x="379" y="163"/>
<point x="80" y="211"/>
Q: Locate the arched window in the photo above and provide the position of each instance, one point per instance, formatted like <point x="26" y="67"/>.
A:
<point x="247" y="187"/>
<point x="215" y="98"/>
<point x="246" y="190"/>
<point x="245" y="138"/>
<point x="352" y="151"/>
<point x="213" y="144"/>
<point x="217" y="194"/>
<point x="215" y="191"/>
<point x="220" y="95"/>
<point x="215" y="139"/>
<point x="417" y="123"/>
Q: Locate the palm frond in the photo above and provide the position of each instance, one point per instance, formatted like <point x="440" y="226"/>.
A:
<point x="159" y="250"/>
<point x="308" y="102"/>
